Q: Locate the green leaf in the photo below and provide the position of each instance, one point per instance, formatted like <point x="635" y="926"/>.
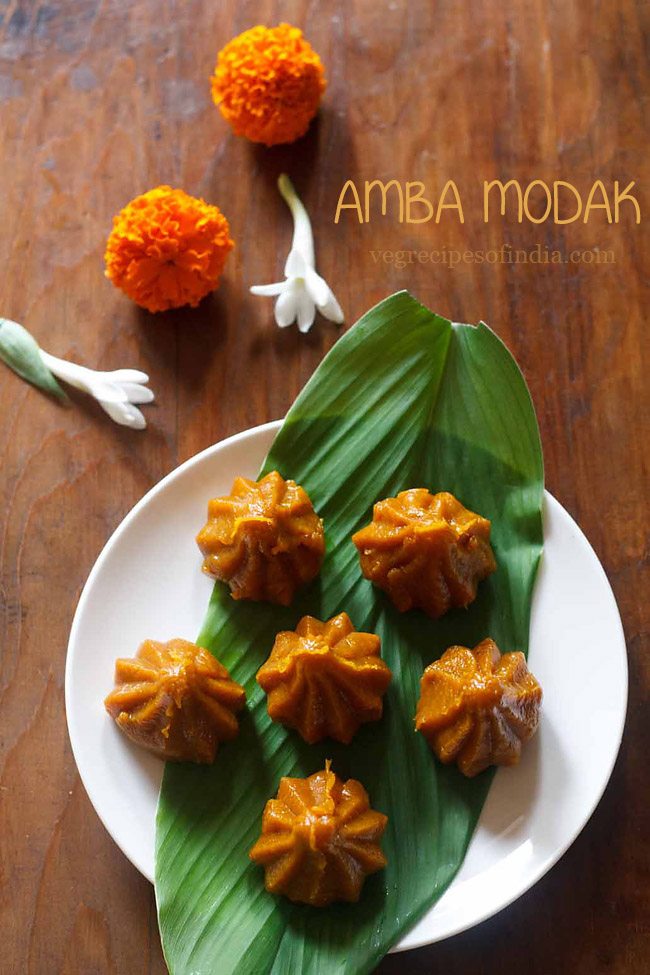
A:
<point x="404" y="399"/>
<point x="20" y="351"/>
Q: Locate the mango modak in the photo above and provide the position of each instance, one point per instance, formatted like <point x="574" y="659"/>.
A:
<point x="175" y="699"/>
<point x="478" y="706"/>
<point x="325" y="679"/>
<point x="320" y="839"/>
<point x="264" y="539"/>
<point x="426" y="551"/>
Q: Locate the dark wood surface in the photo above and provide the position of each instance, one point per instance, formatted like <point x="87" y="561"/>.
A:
<point x="103" y="99"/>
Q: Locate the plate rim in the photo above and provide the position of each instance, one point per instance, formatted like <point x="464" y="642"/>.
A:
<point x="274" y="425"/>
<point x="73" y="734"/>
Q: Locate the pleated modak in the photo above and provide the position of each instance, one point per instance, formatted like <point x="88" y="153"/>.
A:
<point x="320" y="839"/>
<point x="477" y="707"/>
<point x="427" y="551"/>
<point x="325" y="679"/>
<point x="264" y="539"/>
<point x="176" y="700"/>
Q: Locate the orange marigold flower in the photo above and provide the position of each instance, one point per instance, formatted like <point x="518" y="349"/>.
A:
<point x="268" y="83"/>
<point x="167" y="249"/>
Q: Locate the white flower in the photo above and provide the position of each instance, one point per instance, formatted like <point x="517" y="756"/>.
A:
<point x="116" y="392"/>
<point x="304" y="290"/>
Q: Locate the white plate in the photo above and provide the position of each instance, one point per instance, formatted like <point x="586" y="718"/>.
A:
<point x="147" y="583"/>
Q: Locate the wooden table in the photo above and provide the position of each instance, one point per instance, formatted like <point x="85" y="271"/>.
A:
<point x="101" y="101"/>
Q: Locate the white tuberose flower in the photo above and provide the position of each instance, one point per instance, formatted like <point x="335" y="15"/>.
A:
<point x="304" y="290"/>
<point x="116" y="392"/>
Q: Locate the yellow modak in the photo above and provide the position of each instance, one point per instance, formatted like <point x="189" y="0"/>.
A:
<point x="325" y="679"/>
<point x="320" y="840"/>
<point x="478" y="706"/>
<point x="175" y="699"/>
<point x="426" y="551"/>
<point x="264" y="539"/>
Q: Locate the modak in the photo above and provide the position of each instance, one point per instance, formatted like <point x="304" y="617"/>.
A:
<point x="320" y="839"/>
<point x="325" y="679"/>
<point x="264" y="539"/>
<point x="175" y="699"/>
<point x="426" y="551"/>
<point x="478" y="706"/>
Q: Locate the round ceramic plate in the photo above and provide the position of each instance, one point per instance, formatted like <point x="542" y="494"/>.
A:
<point x="147" y="583"/>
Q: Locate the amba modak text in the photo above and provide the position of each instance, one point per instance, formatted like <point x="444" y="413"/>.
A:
<point x="560" y="201"/>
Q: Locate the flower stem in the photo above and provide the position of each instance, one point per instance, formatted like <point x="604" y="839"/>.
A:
<point x="303" y="239"/>
<point x="70" y="372"/>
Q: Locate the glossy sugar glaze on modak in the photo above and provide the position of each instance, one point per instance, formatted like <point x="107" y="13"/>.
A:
<point x="426" y="551"/>
<point x="175" y="699"/>
<point x="320" y="839"/>
<point x="325" y="679"/>
<point x="264" y="539"/>
<point x="478" y="706"/>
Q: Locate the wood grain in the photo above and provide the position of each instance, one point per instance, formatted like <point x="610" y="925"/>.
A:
<point x="101" y="100"/>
